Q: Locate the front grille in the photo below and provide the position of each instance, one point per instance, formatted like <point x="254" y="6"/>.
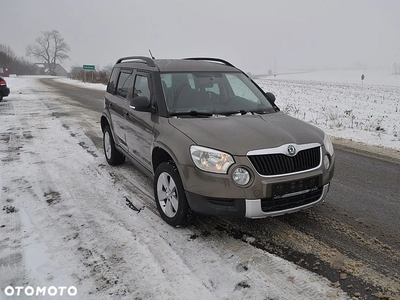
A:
<point x="277" y="164"/>
<point x="278" y="204"/>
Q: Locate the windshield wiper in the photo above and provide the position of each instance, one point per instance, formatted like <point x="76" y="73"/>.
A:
<point x="243" y="112"/>
<point x="234" y="112"/>
<point x="259" y="111"/>
<point x="193" y="113"/>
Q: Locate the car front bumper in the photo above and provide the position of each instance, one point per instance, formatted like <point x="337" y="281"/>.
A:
<point x="254" y="207"/>
<point x="249" y="208"/>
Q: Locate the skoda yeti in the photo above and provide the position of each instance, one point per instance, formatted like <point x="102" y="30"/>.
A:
<point x="212" y="140"/>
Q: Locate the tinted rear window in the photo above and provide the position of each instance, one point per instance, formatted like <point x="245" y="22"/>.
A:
<point x="112" y="84"/>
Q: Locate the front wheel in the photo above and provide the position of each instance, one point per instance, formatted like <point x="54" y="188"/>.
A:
<point x="170" y="195"/>
<point x="113" y="156"/>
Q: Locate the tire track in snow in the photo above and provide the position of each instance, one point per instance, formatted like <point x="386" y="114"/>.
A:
<point x="12" y="269"/>
<point x="69" y="216"/>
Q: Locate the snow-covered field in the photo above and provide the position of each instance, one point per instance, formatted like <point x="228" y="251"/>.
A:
<point x="339" y="103"/>
<point x="65" y="222"/>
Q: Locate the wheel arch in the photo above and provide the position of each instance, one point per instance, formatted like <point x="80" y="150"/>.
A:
<point x="158" y="156"/>
<point x="104" y="122"/>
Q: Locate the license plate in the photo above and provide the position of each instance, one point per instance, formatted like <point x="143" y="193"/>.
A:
<point x="294" y="188"/>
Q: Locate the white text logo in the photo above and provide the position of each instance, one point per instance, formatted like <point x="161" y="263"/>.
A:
<point x="40" y="291"/>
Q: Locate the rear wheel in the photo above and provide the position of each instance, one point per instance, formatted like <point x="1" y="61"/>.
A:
<point x="1" y="97"/>
<point x="170" y="195"/>
<point x="113" y="156"/>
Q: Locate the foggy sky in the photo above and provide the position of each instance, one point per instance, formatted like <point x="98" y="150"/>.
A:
<point x="253" y="35"/>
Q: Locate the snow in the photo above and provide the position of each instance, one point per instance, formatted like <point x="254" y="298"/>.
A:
<point x="371" y="77"/>
<point x="72" y="226"/>
<point x="88" y="85"/>
<point x="340" y="104"/>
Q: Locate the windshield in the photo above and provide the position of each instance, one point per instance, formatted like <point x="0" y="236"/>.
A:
<point x="212" y="93"/>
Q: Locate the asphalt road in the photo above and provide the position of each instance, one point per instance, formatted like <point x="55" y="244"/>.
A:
<point x="88" y="98"/>
<point x="362" y="206"/>
<point x="368" y="189"/>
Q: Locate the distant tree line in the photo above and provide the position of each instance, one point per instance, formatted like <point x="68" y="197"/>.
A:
<point x="14" y="64"/>
<point x="100" y="76"/>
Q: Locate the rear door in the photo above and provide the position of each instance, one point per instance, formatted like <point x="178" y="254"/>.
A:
<point x="117" y="101"/>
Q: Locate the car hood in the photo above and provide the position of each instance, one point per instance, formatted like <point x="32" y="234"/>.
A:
<point x="238" y="134"/>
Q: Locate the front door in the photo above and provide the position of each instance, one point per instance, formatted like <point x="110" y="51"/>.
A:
<point x="139" y="135"/>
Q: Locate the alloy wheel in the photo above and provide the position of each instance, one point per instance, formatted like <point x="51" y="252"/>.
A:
<point x="167" y="194"/>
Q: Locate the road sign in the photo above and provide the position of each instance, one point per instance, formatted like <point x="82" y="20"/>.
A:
<point x="88" y="67"/>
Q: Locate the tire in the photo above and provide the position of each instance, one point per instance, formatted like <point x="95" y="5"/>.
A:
<point x="1" y="97"/>
<point x="170" y="196"/>
<point x="113" y="156"/>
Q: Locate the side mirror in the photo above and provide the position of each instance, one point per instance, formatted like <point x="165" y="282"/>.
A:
<point x="140" y="104"/>
<point x="270" y="97"/>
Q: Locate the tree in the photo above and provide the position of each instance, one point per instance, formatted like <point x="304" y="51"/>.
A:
<point x="7" y="51"/>
<point x="50" y="48"/>
<point x="108" y="69"/>
<point x="15" y="65"/>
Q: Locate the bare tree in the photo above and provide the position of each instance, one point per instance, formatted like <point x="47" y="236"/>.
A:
<point x="7" y="51"/>
<point x="108" y="69"/>
<point x="50" y="48"/>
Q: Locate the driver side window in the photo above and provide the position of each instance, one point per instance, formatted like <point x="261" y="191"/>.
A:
<point x="141" y="87"/>
<point x="124" y="81"/>
<point x="240" y="89"/>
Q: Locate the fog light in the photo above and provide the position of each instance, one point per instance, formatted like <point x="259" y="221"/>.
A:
<point x="241" y="176"/>
<point x="327" y="162"/>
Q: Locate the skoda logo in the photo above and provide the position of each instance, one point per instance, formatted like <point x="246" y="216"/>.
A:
<point x="291" y="150"/>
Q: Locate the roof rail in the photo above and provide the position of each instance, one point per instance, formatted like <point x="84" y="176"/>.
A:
<point x="211" y="59"/>
<point x="146" y="59"/>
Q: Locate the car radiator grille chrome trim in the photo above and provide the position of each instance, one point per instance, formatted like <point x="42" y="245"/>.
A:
<point x="277" y="162"/>
<point x="254" y="209"/>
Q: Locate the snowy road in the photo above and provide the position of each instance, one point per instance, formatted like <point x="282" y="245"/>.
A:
<point x="71" y="225"/>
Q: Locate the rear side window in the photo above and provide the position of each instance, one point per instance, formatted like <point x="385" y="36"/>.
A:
<point x="124" y="82"/>
<point x="112" y="84"/>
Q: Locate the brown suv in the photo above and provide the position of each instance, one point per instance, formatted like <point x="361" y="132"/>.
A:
<point x="214" y="142"/>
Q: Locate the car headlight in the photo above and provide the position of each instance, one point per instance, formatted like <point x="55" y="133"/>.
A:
<point x="211" y="160"/>
<point x="328" y="145"/>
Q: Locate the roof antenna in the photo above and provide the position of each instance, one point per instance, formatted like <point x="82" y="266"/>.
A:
<point x="151" y="54"/>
